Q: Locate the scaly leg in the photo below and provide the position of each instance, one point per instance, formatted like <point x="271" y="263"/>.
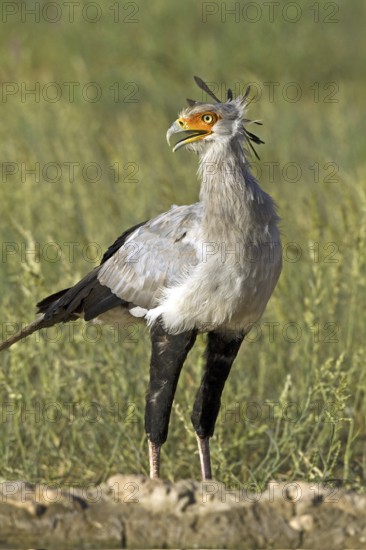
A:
<point x="168" y="355"/>
<point x="221" y="351"/>
<point x="205" y="459"/>
<point x="154" y="460"/>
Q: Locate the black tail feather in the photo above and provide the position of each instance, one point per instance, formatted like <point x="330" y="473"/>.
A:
<point x="44" y="304"/>
<point x="88" y="299"/>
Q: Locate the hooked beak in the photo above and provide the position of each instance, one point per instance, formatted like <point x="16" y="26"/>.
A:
<point x="189" y="134"/>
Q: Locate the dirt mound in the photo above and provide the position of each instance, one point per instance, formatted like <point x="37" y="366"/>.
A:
<point x="136" y="512"/>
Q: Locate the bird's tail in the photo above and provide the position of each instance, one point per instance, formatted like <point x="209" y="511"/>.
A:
<point x="87" y="299"/>
<point x="35" y="325"/>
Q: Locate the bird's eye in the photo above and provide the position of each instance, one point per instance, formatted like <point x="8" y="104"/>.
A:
<point x="207" y="118"/>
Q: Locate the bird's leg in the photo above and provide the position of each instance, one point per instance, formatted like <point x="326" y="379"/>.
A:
<point x="221" y="351"/>
<point x="154" y="459"/>
<point x="205" y="459"/>
<point x="168" y="355"/>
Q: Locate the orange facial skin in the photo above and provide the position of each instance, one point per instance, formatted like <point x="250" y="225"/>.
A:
<point x="201" y="122"/>
<point x="193" y="128"/>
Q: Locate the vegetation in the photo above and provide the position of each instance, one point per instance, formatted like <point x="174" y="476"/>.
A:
<point x="73" y="398"/>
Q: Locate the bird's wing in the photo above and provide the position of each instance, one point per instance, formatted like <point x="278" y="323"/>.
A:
<point x="155" y="256"/>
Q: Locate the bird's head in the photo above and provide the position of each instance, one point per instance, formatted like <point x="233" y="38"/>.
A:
<point x="201" y="125"/>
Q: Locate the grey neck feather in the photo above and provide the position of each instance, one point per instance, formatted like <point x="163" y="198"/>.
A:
<point x="234" y="205"/>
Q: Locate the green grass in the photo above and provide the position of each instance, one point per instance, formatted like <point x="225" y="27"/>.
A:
<point x="73" y="402"/>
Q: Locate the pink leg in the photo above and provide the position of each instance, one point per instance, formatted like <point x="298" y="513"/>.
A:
<point x="204" y="452"/>
<point x="154" y="459"/>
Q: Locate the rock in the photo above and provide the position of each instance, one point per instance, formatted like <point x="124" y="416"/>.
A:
<point x="136" y="512"/>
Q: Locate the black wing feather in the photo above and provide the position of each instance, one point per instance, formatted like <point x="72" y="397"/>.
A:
<point x="88" y="296"/>
<point x="119" y="242"/>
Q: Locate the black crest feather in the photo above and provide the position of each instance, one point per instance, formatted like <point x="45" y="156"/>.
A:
<point x="205" y="88"/>
<point x="250" y="137"/>
<point x="247" y="92"/>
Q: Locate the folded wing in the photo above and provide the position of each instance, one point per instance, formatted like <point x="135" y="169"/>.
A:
<point x="157" y="255"/>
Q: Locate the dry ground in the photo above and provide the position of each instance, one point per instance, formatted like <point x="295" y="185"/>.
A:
<point x="136" y="512"/>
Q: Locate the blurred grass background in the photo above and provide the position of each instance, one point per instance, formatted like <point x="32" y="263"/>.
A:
<point x="73" y="399"/>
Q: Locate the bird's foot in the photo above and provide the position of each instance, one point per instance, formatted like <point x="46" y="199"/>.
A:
<point x="204" y="452"/>
<point x="154" y="460"/>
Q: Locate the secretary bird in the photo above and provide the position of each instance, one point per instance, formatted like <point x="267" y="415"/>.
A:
<point x="209" y="267"/>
